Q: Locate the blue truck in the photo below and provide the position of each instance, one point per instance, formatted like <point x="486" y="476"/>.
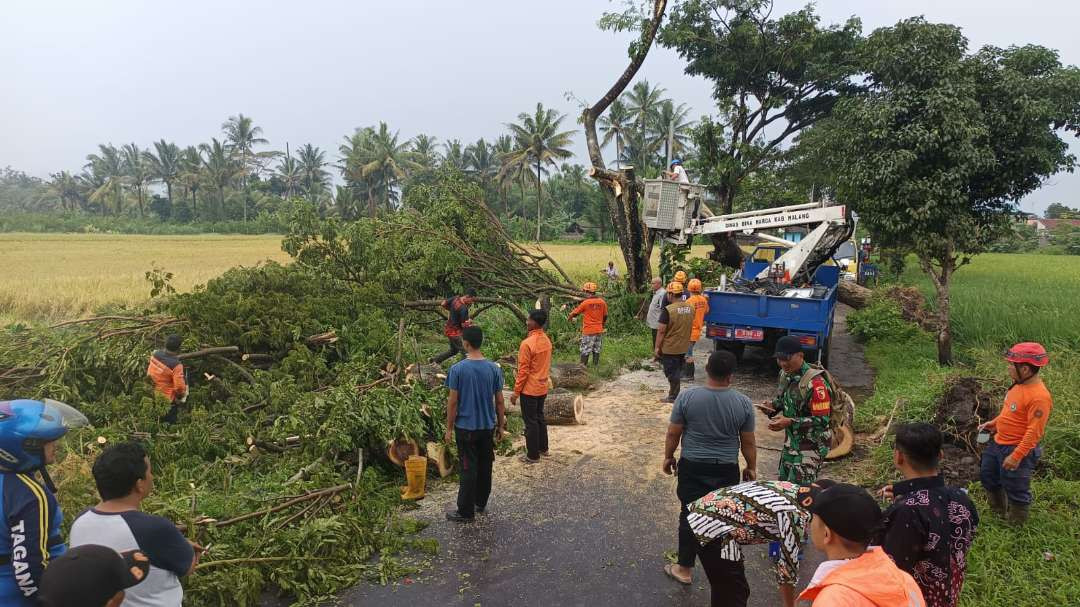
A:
<point x="737" y="319"/>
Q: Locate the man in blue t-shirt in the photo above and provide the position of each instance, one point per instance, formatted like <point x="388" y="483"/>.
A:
<point x="476" y="419"/>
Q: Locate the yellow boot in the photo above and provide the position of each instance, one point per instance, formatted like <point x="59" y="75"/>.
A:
<point x="416" y="476"/>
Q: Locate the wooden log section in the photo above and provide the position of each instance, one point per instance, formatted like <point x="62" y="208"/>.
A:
<point x="561" y="408"/>
<point x="400" y="449"/>
<point x="853" y="295"/>
<point x="437" y="455"/>
<point x="573" y="376"/>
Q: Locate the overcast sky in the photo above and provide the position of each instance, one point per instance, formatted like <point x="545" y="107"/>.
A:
<point x="75" y="73"/>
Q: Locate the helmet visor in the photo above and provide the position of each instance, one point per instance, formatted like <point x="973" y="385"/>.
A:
<point x="70" y="417"/>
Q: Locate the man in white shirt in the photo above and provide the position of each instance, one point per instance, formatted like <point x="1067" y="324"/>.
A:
<point x="677" y="172"/>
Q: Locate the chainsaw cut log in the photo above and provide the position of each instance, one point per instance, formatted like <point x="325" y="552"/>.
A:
<point x="853" y="295"/>
<point x="572" y="376"/>
<point x="400" y="449"/>
<point x="561" y="408"/>
<point x="437" y="455"/>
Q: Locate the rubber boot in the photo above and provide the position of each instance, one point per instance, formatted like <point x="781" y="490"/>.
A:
<point x="998" y="502"/>
<point x="1018" y="513"/>
<point x="416" y="476"/>
<point x="585" y="359"/>
<point x="596" y="359"/>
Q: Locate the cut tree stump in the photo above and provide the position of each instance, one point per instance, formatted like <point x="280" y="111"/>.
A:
<point x="431" y="375"/>
<point x="400" y="449"/>
<point x="561" y="408"/>
<point x="853" y="295"/>
<point x="437" y="455"/>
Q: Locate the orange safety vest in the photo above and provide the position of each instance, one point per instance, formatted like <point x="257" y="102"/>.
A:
<point x="872" y="580"/>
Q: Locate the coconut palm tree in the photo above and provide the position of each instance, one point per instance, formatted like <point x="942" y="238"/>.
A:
<point x="425" y="151"/>
<point x="164" y="165"/>
<point x="480" y="161"/>
<point x="346" y="205"/>
<point x="191" y="165"/>
<point x="313" y="176"/>
<point x="643" y="102"/>
<point x="356" y="153"/>
<point x="67" y="188"/>
<point x="538" y="140"/>
<point x="221" y="168"/>
<point x="137" y="171"/>
<point x="242" y="136"/>
<point x="672" y="120"/>
<point x="107" y="173"/>
<point x="454" y="157"/>
<point x="614" y="124"/>
<point x="289" y="173"/>
<point x="503" y="150"/>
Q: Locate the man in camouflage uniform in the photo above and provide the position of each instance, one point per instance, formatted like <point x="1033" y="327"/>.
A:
<point x="802" y="411"/>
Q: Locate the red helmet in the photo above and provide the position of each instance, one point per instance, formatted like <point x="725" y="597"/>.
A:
<point x="1028" y="352"/>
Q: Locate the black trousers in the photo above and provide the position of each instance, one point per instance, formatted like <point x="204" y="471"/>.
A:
<point x="456" y="347"/>
<point x="673" y="370"/>
<point x="536" y="434"/>
<point x="696" y="479"/>
<point x="727" y="579"/>
<point x="476" y="453"/>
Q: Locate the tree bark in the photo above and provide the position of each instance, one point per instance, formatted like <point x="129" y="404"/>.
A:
<point x="539" y="197"/>
<point x="856" y="296"/>
<point x="942" y="280"/>
<point x="570" y="375"/>
<point x="561" y="408"/>
<point x="619" y="188"/>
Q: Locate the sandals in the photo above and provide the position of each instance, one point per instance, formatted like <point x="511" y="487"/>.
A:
<point x="670" y="570"/>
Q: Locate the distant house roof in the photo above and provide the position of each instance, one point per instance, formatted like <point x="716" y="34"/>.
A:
<point x="1050" y="224"/>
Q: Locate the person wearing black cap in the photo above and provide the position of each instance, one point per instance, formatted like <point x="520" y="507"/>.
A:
<point x="92" y="576"/>
<point x="750" y="513"/>
<point x="845" y="519"/>
<point x="802" y="411"/>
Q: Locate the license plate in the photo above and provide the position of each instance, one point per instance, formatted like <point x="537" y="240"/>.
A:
<point x="750" y="334"/>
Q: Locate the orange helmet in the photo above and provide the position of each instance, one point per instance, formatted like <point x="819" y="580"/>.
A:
<point x="1028" y="352"/>
<point x="680" y="276"/>
<point x="589" y="287"/>
<point x="694" y="285"/>
<point x="675" y="288"/>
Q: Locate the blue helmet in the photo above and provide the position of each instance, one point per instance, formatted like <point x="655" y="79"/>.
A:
<point x="26" y="425"/>
<point x="675" y="161"/>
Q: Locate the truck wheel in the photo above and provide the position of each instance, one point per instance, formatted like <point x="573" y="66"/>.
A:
<point x="735" y="348"/>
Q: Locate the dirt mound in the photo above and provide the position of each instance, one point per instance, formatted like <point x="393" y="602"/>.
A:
<point x="967" y="402"/>
<point x="913" y="306"/>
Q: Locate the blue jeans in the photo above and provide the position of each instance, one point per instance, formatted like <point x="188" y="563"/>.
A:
<point x="1017" y="483"/>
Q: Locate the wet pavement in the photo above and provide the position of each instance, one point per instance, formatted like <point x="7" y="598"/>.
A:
<point x="590" y="525"/>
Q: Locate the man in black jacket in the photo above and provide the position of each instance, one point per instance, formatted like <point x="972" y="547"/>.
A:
<point x="929" y="527"/>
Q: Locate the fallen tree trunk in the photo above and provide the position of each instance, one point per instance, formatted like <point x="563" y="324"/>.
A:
<point x="570" y="376"/>
<point x="429" y="374"/>
<point x="856" y="296"/>
<point x="222" y="351"/>
<point x="561" y="408"/>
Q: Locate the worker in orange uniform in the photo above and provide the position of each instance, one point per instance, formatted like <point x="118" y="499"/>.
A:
<point x="531" y="385"/>
<point x="1010" y="458"/>
<point x="593" y="311"/>
<point x="680" y="277"/>
<point x="167" y="373"/>
<point x="700" y="303"/>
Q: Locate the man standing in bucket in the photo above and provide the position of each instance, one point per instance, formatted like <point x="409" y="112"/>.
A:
<point x="802" y="411"/>
<point x="1010" y="458"/>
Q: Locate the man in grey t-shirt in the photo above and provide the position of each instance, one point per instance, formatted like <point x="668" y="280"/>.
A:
<point x="659" y="300"/>
<point x="713" y="422"/>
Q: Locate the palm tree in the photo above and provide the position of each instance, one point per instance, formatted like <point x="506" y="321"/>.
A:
<point x="165" y="165"/>
<point x="503" y="151"/>
<point x="425" y="151"/>
<point x="221" y="168"/>
<point x="644" y="102"/>
<point x="191" y="165"/>
<point x="242" y="136"/>
<point x="614" y="124"/>
<point x="481" y="162"/>
<point x="289" y="173"/>
<point x="67" y="188"/>
<point x="377" y="161"/>
<point x="455" y="155"/>
<point x="312" y="161"/>
<point x="345" y="203"/>
<point x="107" y="171"/>
<point x="137" y="171"/>
<point x="538" y="140"/>
<point x="356" y="153"/>
<point x="672" y="120"/>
